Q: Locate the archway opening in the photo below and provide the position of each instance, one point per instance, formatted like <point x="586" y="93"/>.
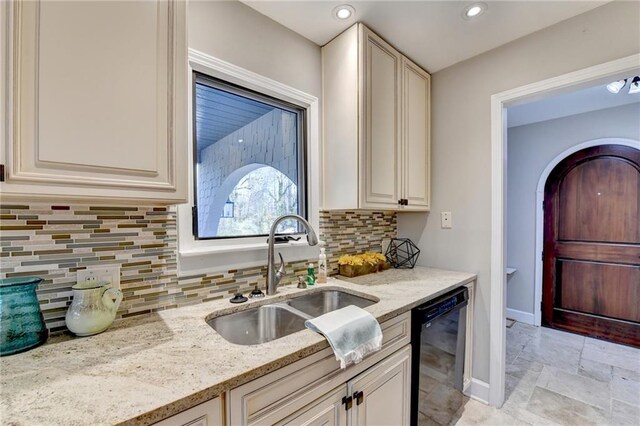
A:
<point x="256" y="200"/>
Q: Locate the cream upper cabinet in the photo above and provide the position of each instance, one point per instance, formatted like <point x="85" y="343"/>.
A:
<point x="97" y="105"/>
<point x="376" y="135"/>
<point x="380" y="122"/>
<point x="416" y="98"/>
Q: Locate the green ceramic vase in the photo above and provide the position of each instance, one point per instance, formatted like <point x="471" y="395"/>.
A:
<point x="21" y="323"/>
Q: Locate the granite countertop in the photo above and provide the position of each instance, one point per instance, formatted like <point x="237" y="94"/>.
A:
<point x="150" y="367"/>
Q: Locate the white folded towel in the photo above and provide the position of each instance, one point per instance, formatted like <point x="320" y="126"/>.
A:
<point x="352" y="332"/>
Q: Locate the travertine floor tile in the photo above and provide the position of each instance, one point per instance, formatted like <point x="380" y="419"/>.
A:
<point x="626" y="390"/>
<point x="475" y="413"/>
<point x="521" y="366"/>
<point x="565" y="410"/>
<point x="609" y="353"/>
<point x="518" y="390"/>
<point x="516" y="341"/>
<point x="589" y="391"/>
<point x="561" y="337"/>
<point x="553" y="353"/>
<point x="557" y="378"/>
<point x="627" y="374"/>
<point x="625" y="414"/>
<point x="595" y="370"/>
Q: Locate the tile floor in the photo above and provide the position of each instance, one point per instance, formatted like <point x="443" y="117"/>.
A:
<point x="558" y="378"/>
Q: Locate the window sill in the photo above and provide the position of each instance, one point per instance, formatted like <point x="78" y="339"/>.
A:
<point x="221" y="259"/>
<point x="236" y="248"/>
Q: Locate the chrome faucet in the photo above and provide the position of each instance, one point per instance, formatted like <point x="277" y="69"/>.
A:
<point x="275" y="275"/>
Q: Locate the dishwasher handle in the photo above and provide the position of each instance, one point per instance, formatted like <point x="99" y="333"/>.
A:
<point x="430" y="311"/>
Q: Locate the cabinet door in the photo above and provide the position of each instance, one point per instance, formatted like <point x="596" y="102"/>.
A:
<point x="386" y="395"/>
<point x="416" y="113"/>
<point x="326" y="411"/>
<point x="97" y="99"/>
<point x="205" y="414"/>
<point x="379" y="123"/>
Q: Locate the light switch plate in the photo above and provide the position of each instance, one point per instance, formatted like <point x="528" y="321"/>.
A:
<point x="445" y="220"/>
<point x="101" y="273"/>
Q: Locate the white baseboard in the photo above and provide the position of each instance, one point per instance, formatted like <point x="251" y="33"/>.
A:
<point x="478" y="390"/>
<point x="520" y="316"/>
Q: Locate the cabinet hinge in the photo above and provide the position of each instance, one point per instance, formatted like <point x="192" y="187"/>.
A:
<point x="1" y="172"/>
<point x="348" y="402"/>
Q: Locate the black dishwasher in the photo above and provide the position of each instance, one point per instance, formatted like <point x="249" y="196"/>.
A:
<point x="437" y="365"/>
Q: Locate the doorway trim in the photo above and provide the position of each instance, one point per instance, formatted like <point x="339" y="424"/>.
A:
<point x="499" y="102"/>
<point x="539" y="240"/>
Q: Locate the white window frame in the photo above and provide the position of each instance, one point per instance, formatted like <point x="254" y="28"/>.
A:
<point x="200" y="256"/>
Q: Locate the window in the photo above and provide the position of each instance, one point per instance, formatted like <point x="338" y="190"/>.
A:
<point x="249" y="152"/>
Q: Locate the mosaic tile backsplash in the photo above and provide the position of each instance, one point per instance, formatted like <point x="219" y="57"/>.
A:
<point x="55" y="241"/>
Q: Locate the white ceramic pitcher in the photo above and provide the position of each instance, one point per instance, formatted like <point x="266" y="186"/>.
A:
<point x="93" y="308"/>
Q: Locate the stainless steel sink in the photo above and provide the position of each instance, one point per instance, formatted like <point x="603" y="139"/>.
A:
<point x="258" y="325"/>
<point x="269" y="322"/>
<point x="316" y="304"/>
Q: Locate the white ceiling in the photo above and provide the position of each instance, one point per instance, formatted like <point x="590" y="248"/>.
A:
<point x="432" y="33"/>
<point x="577" y="102"/>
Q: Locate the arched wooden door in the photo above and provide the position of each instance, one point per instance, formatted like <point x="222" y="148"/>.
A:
<point x="591" y="282"/>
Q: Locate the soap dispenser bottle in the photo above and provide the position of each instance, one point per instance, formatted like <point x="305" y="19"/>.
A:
<point x="322" y="267"/>
<point x="311" y="275"/>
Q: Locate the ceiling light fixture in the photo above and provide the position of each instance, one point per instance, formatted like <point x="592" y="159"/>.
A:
<point x="616" y="86"/>
<point x="344" y="11"/>
<point x="634" y="87"/>
<point x="473" y="10"/>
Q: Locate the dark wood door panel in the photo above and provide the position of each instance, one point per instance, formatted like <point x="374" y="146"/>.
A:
<point x="598" y="252"/>
<point x="597" y="327"/>
<point x="591" y="277"/>
<point x="601" y="289"/>
<point x="599" y="201"/>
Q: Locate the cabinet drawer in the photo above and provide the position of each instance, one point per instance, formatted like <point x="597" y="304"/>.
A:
<point x="285" y="391"/>
<point x="206" y="414"/>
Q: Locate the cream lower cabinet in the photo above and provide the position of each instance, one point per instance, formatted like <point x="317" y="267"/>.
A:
<point x="379" y="396"/>
<point x="376" y="118"/>
<point x="327" y="410"/>
<point x="315" y="391"/>
<point x="96" y="105"/>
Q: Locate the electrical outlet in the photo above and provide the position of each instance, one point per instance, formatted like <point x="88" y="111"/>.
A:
<point x="109" y="274"/>
<point x="445" y="220"/>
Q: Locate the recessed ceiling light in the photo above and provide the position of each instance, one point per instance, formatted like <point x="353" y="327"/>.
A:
<point x="473" y="10"/>
<point x="344" y="11"/>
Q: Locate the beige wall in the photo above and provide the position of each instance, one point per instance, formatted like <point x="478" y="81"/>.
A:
<point x="461" y="138"/>
<point x="235" y="33"/>
<point x="531" y="148"/>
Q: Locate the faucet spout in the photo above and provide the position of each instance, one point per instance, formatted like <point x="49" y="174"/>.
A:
<point x="275" y="274"/>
